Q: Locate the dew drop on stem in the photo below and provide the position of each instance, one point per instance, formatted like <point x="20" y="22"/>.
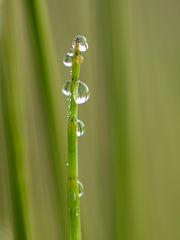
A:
<point x="80" y="128"/>
<point x="71" y="52"/>
<point x="67" y="61"/>
<point x="81" y="94"/>
<point x="67" y="88"/>
<point x="81" y="189"/>
<point x="81" y="42"/>
<point x="77" y="212"/>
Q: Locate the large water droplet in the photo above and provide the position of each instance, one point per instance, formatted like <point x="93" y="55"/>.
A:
<point x="81" y="189"/>
<point x="81" y="40"/>
<point x="81" y="94"/>
<point x="80" y="128"/>
<point x="70" y="52"/>
<point x="67" y="88"/>
<point x="67" y="61"/>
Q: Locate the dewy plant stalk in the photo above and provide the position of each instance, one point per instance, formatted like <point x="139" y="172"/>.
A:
<point x="77" y="93"/>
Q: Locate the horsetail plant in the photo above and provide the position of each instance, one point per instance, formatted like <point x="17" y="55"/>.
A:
<point x="77" y="93"/>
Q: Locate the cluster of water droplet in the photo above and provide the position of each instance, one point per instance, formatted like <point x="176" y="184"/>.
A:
<point x="81" y="93"/>
<point x="80" y="43"/>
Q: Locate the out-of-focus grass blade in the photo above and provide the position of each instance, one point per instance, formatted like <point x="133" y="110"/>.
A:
<point x="12" y="124"/>
<point x="116" y="82"/>
<point x="46" y="71"/>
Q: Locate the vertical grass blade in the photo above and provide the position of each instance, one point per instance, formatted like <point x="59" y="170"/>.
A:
<point x="9" y="94"/>
<point x="47" y="74"/>
<point x="115" y="67"/>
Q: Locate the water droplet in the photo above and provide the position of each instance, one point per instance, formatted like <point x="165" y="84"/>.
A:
<point x="77" y="212"/>
<point x="81" y="94"/>
<point x="67" y="88"/>
<point x="70" y="52"/>
<point x="67" y="61"/>
<point x="81" y="40"/>
<point x="81" y="189"/>
<point x="67" y="164"/>
<point x="80" y="128"/>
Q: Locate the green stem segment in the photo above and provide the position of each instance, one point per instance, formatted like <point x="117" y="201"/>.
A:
<point x="72" y="184"/>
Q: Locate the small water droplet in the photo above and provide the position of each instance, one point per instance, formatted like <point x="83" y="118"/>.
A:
<point x="70" y="52"/>
<point x="67" y="61"/>
<point x="67" y="88"/>
<point x="81" y="94"/>
<point x="77" y="212"/>
<point x="81" y="189"/>
<point x="67" y="164"/>
<point x="81" y="40"/>
<point x="80" y="128"/>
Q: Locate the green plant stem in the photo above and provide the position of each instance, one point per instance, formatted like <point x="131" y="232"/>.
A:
<point x="73" y="188"/>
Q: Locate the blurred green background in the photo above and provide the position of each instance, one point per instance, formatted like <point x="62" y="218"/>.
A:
<point x="129" y="158"/>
